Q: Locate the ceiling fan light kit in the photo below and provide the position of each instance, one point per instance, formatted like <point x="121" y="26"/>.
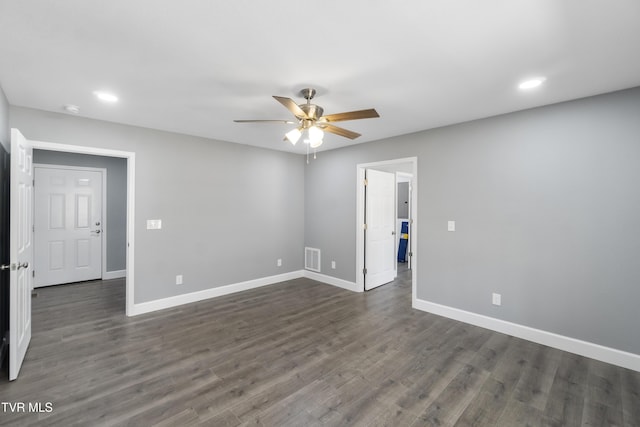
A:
<point x="293" y="136"/>
<point x="312" y="122"/>
<point x="315" y="134"/>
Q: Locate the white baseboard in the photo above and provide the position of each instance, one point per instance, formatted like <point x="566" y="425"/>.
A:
<point x="115" y="274"/>
<point x="344" y="284"/>
<point x="572" y="345"/>
<point x="161" y="304"/>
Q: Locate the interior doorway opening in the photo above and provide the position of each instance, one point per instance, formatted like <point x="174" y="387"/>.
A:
<point x="80" y="221"/>
<point x="127" y="270"/>
<point x="404" y="170"/>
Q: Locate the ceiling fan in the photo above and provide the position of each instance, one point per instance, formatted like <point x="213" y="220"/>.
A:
<point x="311" y="122"/>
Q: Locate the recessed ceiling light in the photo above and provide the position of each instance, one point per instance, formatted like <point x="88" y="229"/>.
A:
<point x="105" y="96"/>
<point x="533" y="83"/>
<point x="70" y="108"/>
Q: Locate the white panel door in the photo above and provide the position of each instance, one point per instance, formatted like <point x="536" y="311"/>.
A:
<point x="68" y="225"/>
<point x="20" y="251"/>
<point x="380" y="232"/>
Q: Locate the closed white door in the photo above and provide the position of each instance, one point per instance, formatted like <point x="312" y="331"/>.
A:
<point x="20" y="251"/>
<point x="68" y="225"/>
<point x="380" y="231"/>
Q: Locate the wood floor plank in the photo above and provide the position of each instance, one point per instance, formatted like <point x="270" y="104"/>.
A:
<point x="520" y="414"/>
<point x="223" y="419"/>
<point x="537" y="377"/>
<point x="603" y="400"/>
<point x="630" y="385"/>
<point x="429" y="386"/>
<point x="298" y="353"/>
<point x="454" y="399"/>
<point x="486" y="408"/>
<point x="566" y="397"/>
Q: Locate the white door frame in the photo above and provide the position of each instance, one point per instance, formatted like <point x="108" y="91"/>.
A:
<point x="131" y="164"/>
<point x="105" y="224"/>
<point x="360" y="208"/>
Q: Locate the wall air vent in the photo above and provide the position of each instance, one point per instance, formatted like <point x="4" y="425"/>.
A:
<point x="312" y="259"/>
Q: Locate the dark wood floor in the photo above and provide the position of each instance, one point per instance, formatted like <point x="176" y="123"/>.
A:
<point x="299" y="353"/>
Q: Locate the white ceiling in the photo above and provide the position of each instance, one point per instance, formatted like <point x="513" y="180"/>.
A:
<point x="192" y="66"/>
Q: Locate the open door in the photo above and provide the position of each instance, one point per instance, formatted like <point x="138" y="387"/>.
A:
<point x="380" y="219"/>
<point x="20" y="251"/>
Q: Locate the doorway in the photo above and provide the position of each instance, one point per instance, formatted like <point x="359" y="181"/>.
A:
<point x="407" y="167"/>
<point x="130" y="159"/>
<point x="114" y="217"/>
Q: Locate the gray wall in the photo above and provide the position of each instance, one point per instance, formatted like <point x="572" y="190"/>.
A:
<point x="546" y="203"/>
<point x="116" y="223"/>
<point x="5" y="129"/>
<point x="228" y="211"/>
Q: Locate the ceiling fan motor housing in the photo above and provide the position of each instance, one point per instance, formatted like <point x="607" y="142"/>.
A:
<point x="313" y="112"/>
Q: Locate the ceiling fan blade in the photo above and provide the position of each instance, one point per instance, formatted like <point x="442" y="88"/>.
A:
<point x="352" y="115"/>
<point x="287" y="122"/>
<point x="291" y="105"/>
<point x="339" y="131"/>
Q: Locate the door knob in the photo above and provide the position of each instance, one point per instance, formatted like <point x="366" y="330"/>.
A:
<point x="96" y="231"/>
<point x="17" y="266"/>
<point x="23" y="265"/>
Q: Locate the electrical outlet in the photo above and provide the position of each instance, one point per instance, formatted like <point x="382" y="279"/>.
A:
<point x="279" y="262"/>
<point x="451" y="226"/>
<point x="496" y="299"/>
<point x="333" y="265"/>
<point x="179" y="279"/>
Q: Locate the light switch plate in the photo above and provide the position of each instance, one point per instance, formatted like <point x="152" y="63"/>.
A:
<point x="154" y="224"/>
<point x="451" y="226"/>
<point x="496" y="299"/>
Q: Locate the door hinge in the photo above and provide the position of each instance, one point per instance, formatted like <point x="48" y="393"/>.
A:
<point x="364" y="226"/>
<point x="410" y="254"/>
<point x="365" y="182"/>
<point x="364" y="271"/>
